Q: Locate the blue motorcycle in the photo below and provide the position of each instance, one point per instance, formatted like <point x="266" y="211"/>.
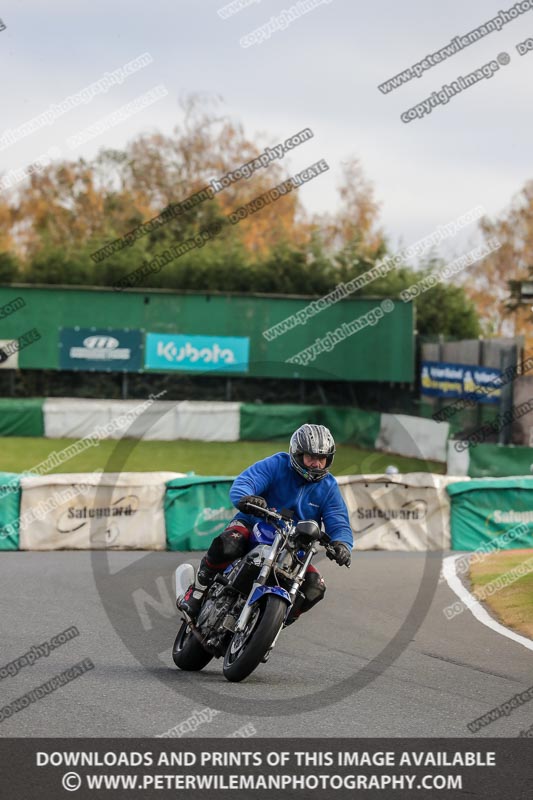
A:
<point x="248" y="605"/>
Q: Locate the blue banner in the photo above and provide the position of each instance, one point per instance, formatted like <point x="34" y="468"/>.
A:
<point x="442" y="379"/>
<point x="100" y="349"/>
<point x="197" y="353"/>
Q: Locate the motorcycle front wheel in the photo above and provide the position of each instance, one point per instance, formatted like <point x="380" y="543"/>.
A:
<point x="187" y="652"/>
<point x="247" y="648"/>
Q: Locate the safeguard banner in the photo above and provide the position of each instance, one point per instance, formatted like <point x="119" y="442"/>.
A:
<point x="483" y="510"/>
<point x="93" y="511"/>
<point x="100" y="349"/>
<point x="398" y="512"/>
<point x="444" y="379"/>
<point x="197" y="353"/>
<point x="197" y="509"/>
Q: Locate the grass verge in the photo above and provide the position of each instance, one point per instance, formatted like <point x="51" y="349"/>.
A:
<point x="18" y="454"/>
<point x="511" y="603"/>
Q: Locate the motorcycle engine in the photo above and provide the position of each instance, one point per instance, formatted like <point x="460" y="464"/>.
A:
<point x="213" y="612"/>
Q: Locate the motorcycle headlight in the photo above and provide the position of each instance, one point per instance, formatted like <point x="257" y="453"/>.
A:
<point x="307" y="531"/>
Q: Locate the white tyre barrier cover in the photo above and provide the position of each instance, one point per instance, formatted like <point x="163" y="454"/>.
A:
<point x="458" y="458"/>
<point x="94" y="511"/>
<point x="160" y="420"/>
<point x="209" y="422"/>
<point x="73" y="418"/>
<point x="398" y="512"/>
<point x="413" y="436"/>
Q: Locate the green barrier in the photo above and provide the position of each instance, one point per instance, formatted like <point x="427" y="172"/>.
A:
<point x="348" y="425"/>
<point x="264" y="422"/>
<point x="352" y="425"/>
<point x="9" y="510"/>
<point x="483" y="510"/>
<point x="469" y="419"/>
<point x="197" y="508"/>
<point x="21" y="417"/>
<point x="492" y="460"/>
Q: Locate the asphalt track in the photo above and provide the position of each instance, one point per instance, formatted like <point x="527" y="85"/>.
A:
<point x="376" y="658"/>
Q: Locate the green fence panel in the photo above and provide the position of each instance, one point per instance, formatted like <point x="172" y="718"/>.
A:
<point x="348" y="425"/>
<point x="9" y="510"/>
<point x="352" y="425"/>
<point x="499" y="461"/>
<point x="469" y="419"/>
<point x="197" y="509"/>
<point x="21" y="417"/>
<point x="482" y="510"/>
<point x="264" y="422"/>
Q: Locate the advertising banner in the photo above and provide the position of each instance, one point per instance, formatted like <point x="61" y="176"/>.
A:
<point x="398" y="512"/>
<point x="100" y="349"/>
<point x="443" y="379"/>
<point x="197" y="509"/>
<point x="197" y="353"/>
<point x="483" y="510"/>
<point x="94" y="511"/>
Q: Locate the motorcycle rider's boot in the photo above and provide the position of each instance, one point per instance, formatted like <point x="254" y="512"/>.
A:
<point x="293" y="616"/>
<point x="192" y="600"/>
<point x="296" y="610"/>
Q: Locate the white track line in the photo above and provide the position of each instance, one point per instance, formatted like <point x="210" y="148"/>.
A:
<point x="473" y="605"/>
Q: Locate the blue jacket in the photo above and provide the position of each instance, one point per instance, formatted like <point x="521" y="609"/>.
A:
<point x="282" y="487"/>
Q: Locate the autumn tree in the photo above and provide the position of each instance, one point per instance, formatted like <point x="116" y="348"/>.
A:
<point x="489" y="280"/>
<point x="74" y="204"/>
<point x="352" y="232"/>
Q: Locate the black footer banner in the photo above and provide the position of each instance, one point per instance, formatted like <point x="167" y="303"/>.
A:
<point x="266" y="768"/>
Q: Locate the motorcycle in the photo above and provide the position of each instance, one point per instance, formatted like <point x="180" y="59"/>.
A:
<point x="248" y="605"/>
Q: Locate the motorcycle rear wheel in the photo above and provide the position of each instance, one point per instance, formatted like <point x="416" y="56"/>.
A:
<point x="246" y="650"/>
<point x="187" y="652"/>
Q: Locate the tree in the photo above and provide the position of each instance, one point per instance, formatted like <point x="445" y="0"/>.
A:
<point x="446" y="309"/>
<point x="68" y="210"/>
<point x="9" y="268"/>
<point x="489" y="281"/>
<point x="352" y="231"/>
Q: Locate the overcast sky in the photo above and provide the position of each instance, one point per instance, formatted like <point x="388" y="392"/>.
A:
<point x="321" y="72"/>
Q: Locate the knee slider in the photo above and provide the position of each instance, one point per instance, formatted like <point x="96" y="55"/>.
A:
<point x="233" y="543"/>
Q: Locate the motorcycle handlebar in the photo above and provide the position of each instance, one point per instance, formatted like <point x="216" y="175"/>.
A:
<point x="267" y="512"/>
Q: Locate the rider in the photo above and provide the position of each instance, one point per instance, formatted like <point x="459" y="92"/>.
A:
<point x="299" y="480"/>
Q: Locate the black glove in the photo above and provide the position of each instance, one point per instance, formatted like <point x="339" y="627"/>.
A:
<point x="242" y="505"/>
<point x="342" y="554"/>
